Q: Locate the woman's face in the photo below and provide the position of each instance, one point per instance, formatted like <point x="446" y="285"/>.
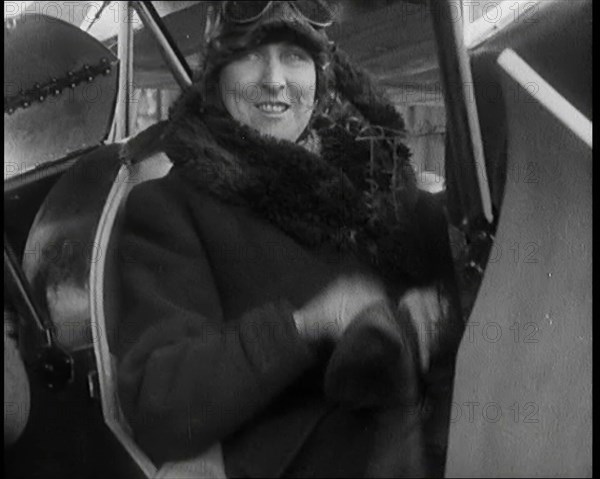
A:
<point x="271" y="89"/>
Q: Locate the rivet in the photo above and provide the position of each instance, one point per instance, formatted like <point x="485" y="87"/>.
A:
<point x="25" y="104"/>
<point x="36" y="86"/>
<point x="56" y="92"/>
<point x="72" y="86"/>
<point x="90" y="78"/>
<point x="11" y="110"/>
<point x="107" y="71"/>
<point x="42" y="98"/>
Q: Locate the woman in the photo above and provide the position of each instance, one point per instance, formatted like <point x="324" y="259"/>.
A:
<point x="279" y="278"/>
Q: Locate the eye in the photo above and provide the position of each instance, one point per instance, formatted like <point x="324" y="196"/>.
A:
<point x="251" y="56"/>
<point x="297" y="55"/>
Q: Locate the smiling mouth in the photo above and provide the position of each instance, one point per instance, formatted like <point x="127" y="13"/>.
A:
<point x="272" y="107"/>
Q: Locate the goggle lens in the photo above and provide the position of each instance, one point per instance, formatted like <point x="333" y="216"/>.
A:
<point x="244" y="12"/>
<point x="316" y="12"/>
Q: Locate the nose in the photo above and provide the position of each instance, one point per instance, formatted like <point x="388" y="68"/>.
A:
<point x="273" y="78"/>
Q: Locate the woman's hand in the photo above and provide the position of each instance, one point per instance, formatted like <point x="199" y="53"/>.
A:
<point x="428" y="310"/>
<point x="326" y="316"/>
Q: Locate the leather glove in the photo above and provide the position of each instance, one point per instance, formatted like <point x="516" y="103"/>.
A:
<point x="375" y="364"/>
<point x="326" y="316"/>
<point x="380" y="360"/>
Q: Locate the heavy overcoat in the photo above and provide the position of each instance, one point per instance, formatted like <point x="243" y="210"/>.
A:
<point x="208" y="350"/>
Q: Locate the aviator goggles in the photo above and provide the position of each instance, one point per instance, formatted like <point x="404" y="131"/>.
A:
<point x="315" y="12"/>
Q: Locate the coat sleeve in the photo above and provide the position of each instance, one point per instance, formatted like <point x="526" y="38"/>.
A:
<point x="188" y="377"/>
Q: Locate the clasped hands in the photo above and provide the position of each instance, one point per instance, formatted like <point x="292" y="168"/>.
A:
<point x="327" y="315"/>
<point x="330" y="313"/>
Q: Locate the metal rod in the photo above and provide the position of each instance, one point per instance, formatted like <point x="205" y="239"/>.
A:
<point x="123" y="120"/>
<point x="463" y="121"/>
<point x="171" y="54"/>
<point x="21" y="293"/>
<point x="558" y="105"/>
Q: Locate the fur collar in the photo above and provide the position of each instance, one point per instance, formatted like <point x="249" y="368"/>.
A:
<point x="357" y="196"/>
